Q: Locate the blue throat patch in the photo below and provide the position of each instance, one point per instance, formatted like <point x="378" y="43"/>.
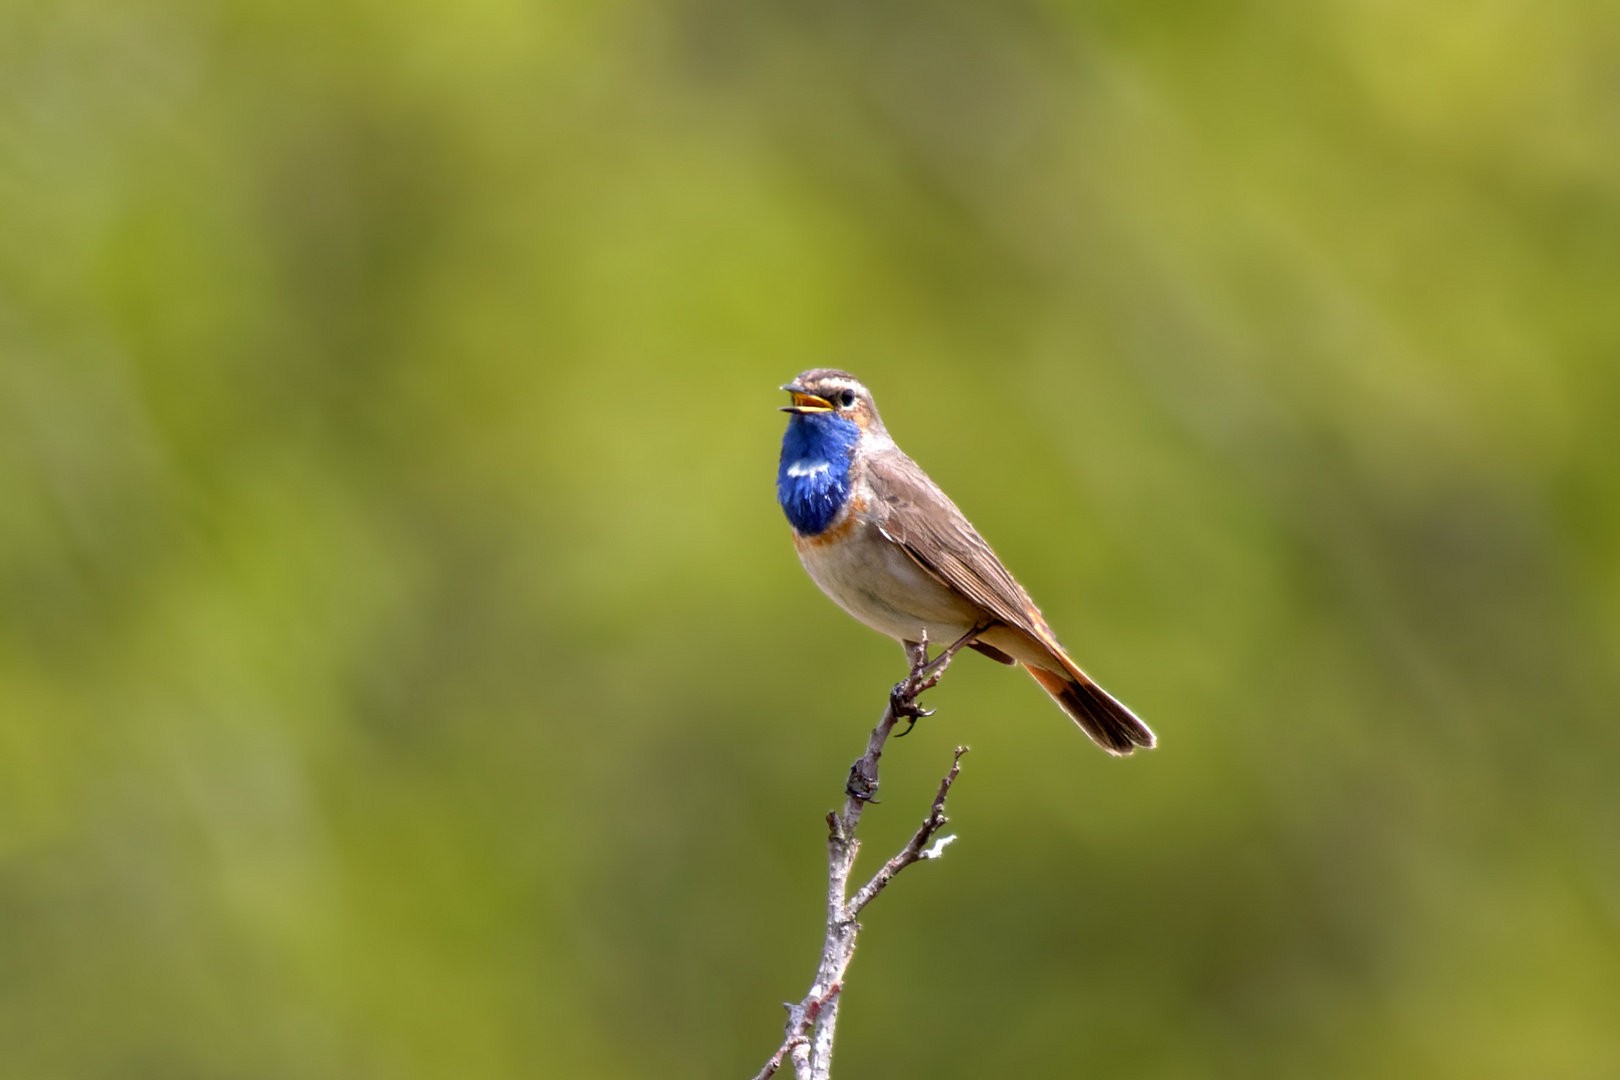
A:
<point x="812" y="479"/>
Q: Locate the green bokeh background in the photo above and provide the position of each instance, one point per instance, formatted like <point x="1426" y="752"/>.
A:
<point x="404" y="668"/>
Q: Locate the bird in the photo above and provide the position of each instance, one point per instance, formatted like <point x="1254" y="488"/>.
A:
<point x="890" y="548"/>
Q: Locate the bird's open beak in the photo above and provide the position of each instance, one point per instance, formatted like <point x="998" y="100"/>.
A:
<point x="805" y="403"/>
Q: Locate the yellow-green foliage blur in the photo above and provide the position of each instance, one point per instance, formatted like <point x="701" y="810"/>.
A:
<point x="405" y="671"/>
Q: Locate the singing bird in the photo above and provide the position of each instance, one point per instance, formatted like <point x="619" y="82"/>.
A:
<point x="880" y="538"/>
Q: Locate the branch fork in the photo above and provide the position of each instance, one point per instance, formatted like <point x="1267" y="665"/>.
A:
<point x="809" y="1033"/>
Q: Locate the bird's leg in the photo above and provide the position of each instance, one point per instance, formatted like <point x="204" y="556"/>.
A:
<point x="862" y="783"/>
<point x="903" y="698"/>
<point x="925" y="675"/>
<point x="934" y="669"/>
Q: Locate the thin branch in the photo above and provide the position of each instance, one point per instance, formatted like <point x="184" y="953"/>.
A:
<point x="776" y="1061"/>
<point x="808" y="1038"/>
<point x="918" y="849"/>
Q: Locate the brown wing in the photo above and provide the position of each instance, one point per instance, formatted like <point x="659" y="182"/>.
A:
<point x="917" y="515"/>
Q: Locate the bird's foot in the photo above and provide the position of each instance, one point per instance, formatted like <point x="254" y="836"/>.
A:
<point x="903" y="702"/>
<point x="862" y="784"/>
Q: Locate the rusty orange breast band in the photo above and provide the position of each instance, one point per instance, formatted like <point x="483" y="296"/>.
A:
<point x="837" y="532"/>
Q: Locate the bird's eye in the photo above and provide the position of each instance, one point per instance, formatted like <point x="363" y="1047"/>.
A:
<point x="847" y="398"/>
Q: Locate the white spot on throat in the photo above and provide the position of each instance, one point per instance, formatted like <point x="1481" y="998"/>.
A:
<point x="806" y="467"/>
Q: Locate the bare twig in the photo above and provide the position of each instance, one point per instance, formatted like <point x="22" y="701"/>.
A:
<point x="809" y="1035"/>
<point x="918" y="848"/>
<point x="776" y="1061"/>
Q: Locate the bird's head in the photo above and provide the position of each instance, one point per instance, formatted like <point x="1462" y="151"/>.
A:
<point x="835" y="395"/>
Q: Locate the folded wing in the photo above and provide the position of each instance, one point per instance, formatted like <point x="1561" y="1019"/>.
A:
<point x="916" y="515"/>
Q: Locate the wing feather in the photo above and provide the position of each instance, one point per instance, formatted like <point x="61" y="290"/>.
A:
<point x="915" y="514"/>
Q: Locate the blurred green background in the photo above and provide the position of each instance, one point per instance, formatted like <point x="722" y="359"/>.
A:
<point x="405" y="671"/>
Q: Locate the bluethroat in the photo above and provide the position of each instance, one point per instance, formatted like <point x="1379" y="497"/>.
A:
<point x="880" y="538"/>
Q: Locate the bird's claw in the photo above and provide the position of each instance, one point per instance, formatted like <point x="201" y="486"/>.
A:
<point x="903" y="699"/>
<point x="903" y="703"/>
<point x="862" y="784"/>
<point x="912" y="715"/>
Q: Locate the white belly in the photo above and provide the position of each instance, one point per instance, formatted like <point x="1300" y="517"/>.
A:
<point x="878" y="583"/>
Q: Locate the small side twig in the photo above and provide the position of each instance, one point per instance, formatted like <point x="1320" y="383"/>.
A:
<point x="808" y="1038"/>
<point x="918" y="848"/>
<point x="775" y="1062"/>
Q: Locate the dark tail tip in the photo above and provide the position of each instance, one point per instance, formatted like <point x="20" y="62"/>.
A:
<point x="1109" y="723"/>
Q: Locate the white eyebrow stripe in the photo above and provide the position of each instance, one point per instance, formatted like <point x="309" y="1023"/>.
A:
<point x="808" y="468"/>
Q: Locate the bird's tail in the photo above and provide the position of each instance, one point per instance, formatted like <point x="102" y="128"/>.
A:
<point x="1110" y="724"/>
